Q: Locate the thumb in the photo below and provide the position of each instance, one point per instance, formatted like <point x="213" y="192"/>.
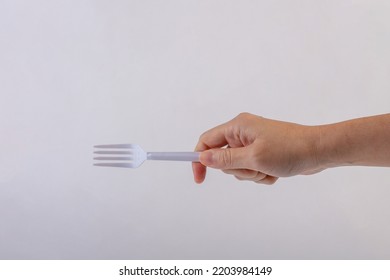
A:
<point x="226" y="158"/>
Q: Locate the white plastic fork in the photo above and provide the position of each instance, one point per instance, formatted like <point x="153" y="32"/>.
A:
<point x="132" y="155"/>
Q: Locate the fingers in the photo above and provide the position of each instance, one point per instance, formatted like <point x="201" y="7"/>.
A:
<point x="268" y="180"/>
<point x="199" y="171"/>
<point x="228" y="158"/>
<point x="245" y="174"/>
<point x="213" y="138"/>
<point x="251" y="175"/>
<point x="218" y="137"/>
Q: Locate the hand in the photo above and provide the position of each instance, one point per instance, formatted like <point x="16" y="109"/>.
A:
<point x="258" y="149"/>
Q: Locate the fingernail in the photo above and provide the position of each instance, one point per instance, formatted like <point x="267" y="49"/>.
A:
<point x="207" y="158"/>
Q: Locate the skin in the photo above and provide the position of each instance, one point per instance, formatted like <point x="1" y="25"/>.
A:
<point x="261" y="150"/>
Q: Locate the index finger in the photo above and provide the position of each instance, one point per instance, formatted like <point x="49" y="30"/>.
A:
<point x="212" y="138"/>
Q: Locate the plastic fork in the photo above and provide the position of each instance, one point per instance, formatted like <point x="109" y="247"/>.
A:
<point x="132" y="155"/>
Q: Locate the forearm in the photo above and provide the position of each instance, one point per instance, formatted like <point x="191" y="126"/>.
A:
<point x="363" y="141"/>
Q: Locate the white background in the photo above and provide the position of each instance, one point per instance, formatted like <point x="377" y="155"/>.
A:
<point x="110" y="269"/>
<point x="159" y="73"/>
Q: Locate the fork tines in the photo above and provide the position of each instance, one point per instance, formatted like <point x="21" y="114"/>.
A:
<point x="122" y="155"/>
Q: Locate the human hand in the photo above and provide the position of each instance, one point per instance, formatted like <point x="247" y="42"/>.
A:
<point x="258" y="149"/>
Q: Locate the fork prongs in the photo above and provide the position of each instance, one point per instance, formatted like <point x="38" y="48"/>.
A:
<point x="121" y="155"/>
<point x="113" y="158"/>
<point x="115" y="146"/>
<point x="116" y="164"/>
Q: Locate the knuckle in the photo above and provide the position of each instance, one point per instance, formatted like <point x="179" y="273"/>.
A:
<point x="201" y="145"/>
<point x="243" y="116"/>
<point x="226" y="157"/>
<point x="249" y="117"/>
<point x="202" y="136"/>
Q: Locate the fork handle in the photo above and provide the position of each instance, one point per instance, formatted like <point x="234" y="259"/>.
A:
<point x="176" y="156"/>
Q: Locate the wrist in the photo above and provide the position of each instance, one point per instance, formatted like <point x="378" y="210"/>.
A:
<point x="331" y="146"/>
<point x="317" y="158"/>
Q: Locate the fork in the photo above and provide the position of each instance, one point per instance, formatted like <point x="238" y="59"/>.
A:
<point x="132" y="155"/>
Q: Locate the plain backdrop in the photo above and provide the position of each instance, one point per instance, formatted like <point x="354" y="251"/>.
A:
<point x="159" y="73"/>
